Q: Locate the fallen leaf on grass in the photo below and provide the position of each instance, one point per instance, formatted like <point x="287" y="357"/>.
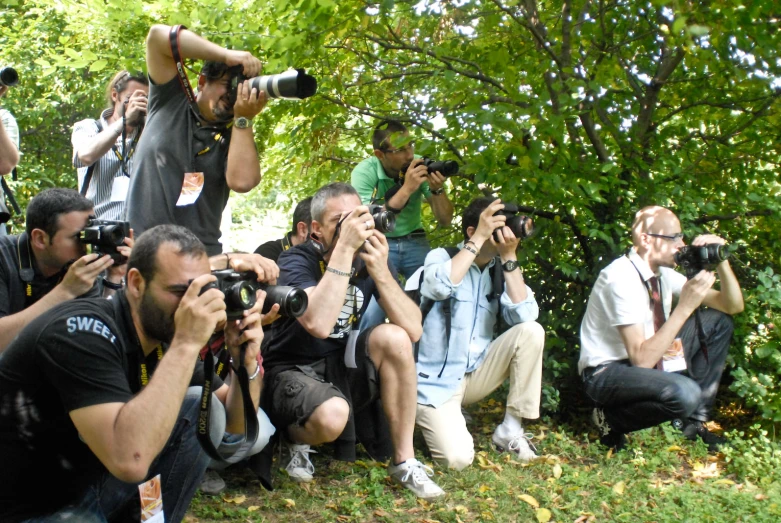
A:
<point x="619" y="487"/>
<point x="724" y="481"/>
<point x="380" y="513"/>
<point x="333" y="506"/>
<point x="238" y="499"/>
<point x="253" y="508"/>
<point x="673" y="448"/>
<point x="343" y="518"/>
<point x="483" y="489"/>
<point x="543" y="515"/>
<point x="557" y="471"/>
<point x="289" y="503"/>
<point x="530" y="500"/>
<point x="461" y="509"/>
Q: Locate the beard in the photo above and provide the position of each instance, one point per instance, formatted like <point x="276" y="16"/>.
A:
<point x="223" y="109"/>
<point x="155" y="322"/>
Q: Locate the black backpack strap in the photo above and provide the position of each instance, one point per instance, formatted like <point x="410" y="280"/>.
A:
<point x="91" y="168"/>
<point x="497" y="289"/>
<point x="10" y="194"/>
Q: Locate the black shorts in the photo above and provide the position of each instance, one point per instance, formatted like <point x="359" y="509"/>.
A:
<point x="296" y="393"/>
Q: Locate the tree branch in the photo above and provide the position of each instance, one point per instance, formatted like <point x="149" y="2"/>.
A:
<point x="723" y="217"/>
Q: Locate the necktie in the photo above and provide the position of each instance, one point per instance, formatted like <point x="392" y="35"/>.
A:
<point x="656" y="299"/>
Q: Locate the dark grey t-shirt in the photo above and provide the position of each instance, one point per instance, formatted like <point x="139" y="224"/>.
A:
<point x="173" y="143"/>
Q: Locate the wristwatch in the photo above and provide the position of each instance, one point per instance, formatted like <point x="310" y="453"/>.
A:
<point x="242" y="122"/>
<point x="509" y="265"/>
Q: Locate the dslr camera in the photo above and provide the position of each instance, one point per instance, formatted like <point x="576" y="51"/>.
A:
<point x="446" y="168"/>
<point x="702" y="257"/>
<point x="239" y="289"/>
<point x="293" y="84"/>
<point x="104" y="236"/>
<point x="384" y="221"/>
<point x="521" y="225"/>
<point x="8" y="77"/>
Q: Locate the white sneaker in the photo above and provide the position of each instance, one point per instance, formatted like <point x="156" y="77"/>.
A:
<point x="520" y="444"/>
<point x="212" y="483"/>
<point x="415" y="476"/>
<point x="299" y="468"/>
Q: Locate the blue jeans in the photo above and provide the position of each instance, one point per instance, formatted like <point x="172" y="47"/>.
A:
<point x="407" y="255"/>
<point x="181" y="465"/>
<point x="635" y="398"/>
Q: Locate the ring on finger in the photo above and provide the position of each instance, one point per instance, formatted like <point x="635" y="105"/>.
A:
<point x="369" y="224"/>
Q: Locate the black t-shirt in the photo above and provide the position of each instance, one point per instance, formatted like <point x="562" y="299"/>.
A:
<point x="302" y="266"/>
<point x="13" y="291"/>
<point x="274" y="248"/>
<point x="174" y="142"/>
<point x="79" y="354"/>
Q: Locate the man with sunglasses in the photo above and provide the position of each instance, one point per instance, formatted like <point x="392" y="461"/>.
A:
<point x="395" y="178"/>
<point x="634" y="344"/>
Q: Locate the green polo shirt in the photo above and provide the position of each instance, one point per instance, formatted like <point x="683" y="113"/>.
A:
<point x="371" y="182"/>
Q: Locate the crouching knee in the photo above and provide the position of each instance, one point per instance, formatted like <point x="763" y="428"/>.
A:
<point x="458" y="459"/>
<point x="682" y="397"/>
<point x="328" y="420"/>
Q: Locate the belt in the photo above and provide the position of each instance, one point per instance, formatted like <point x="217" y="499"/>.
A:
<point x="417" y="233"/>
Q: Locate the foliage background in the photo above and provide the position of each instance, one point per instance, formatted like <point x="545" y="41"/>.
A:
<point x="583" y="111"/>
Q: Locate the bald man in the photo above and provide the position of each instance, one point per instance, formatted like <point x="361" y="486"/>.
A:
<point x="624" y="339"/>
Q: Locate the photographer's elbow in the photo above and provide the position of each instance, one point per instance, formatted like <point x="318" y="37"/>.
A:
<point x="130" y="472"/>
<point x="243" y="186"/>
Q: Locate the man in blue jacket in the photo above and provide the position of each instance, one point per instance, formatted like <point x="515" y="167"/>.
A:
<point x="463" y="362"/>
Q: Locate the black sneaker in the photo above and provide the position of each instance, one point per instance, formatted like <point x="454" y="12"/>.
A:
<point x="693" y="428"/>
<point x="608" y="436"/>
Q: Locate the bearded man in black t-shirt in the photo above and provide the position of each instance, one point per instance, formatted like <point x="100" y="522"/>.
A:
<point x="94" y="396"/>
<point x="324" y="369"/>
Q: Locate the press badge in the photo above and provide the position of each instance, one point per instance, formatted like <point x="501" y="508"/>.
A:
<point x="192" y="185"/>
<point x="151" y="495"/>
<point x="349" y="351"/>
<point x="674" y="360"/>
<point x="119" y="188"/>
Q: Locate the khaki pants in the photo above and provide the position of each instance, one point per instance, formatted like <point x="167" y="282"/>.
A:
<point x="518" y="354"/>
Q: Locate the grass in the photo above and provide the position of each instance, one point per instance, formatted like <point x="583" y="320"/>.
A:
<point x="661" y="477"/>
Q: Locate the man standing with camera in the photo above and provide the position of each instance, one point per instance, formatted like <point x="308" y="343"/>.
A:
<point x="395" y="178"/>
<point x="195" y="148"/>
<point x="47" y="264"/>
<point x="460" y="358"/>
<point x="323" y="372"/>
<point x="98" y="395"/>
<point x="103" y="149"/>
<point x="633" y="345"/>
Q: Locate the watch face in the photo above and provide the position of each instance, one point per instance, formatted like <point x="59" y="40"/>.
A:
<point x="242" y="123"/>
<point x="509" y="266"/>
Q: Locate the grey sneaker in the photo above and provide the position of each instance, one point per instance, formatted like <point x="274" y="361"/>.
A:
<point x="520" y="444"/>
<point x="415" y="476"/>
<point x="212" y="484"/>
<point x="299" y="468"/>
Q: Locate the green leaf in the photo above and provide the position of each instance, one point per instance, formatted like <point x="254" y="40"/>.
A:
<point x="679" y="24"/>
<point x="98" y="65"/>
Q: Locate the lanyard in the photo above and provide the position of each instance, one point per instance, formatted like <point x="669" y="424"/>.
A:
<point x="143" y="373"/>
<point x="648" y="287"/>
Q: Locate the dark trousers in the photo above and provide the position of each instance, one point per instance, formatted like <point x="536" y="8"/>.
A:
<point x="635" y="398"/>
<point x="181" y="466"/>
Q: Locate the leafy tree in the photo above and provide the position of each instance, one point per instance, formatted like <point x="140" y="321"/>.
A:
<point x="582" y="111"/>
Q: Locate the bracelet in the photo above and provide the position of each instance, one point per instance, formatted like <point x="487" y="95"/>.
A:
<point x="227" y="261"/>
<point x="113" y="286"/>
<point x="340" y="273"/>
<point x="255" y="374"/>
<point x="470" y="249"/>
<point x="437" y="192"/>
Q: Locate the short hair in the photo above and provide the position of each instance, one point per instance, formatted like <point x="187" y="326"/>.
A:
<point x="120" y="81"/>
<point x="45" y="209"/>
<point x="143" y="257"/>
<point x="472" y="213"/>
<point x="212" y="70"/>
<point x="383" y="130"/>
<point x="303" y="213"/>
<point x="327" y="192"/>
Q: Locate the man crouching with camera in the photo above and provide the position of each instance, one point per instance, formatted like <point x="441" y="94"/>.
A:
<point x="634" y="345"/>
<point x="468" y="293"/>
<point x="95" y="393"/>
<point x="49" y="264"/>
<point x="324" y="374"/>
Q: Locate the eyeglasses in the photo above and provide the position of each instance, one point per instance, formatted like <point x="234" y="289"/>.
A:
<point x="674" y="237"/>
<point x="409" y="147"/>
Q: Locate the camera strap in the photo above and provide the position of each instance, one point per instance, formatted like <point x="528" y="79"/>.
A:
<point x="10" y="195"/>
<point x="181" y="74"/>
<point x="251" y="427"/>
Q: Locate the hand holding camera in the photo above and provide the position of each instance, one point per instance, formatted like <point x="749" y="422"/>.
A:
<point x="81" y="275"/>
<point x="200" y="311"/>
<point x="490" y="219"/>
<point x="695" y="290"/>
<point x="375" y="255"/>
<point x="250" y="65"/>
<point x="356" y="228"/>
<point x="135" y="108"/>
<point x="266" y="270"/>
<point x="415" y="175"/>
<point x="247" y="329"/>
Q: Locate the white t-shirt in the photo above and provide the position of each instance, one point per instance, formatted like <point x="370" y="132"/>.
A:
<point x="620" y="297"/>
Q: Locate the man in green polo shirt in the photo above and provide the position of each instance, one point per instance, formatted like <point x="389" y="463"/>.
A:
<point x="380" y="179"/>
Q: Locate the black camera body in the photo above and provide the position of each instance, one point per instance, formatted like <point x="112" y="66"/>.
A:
<point x="446" y="168"/>
<point x="104" y="236"/>
<point x="384" y="220"/>
<point x="239" y="289"/>
<point x="702" y="257"/>
<point x="521" y="225"/>
<point x="8" y="77"/>
<point x="293" y="84"/>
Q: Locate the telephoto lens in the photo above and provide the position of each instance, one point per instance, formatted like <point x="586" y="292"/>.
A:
<point x="693" y="259"/>
<point x="384" y="221"/>
<point x="446" y="168"/>
<point x="8" y="77"/>
<point x="292" y="300"/>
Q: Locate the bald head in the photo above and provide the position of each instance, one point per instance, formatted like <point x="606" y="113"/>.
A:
<point x="655" y="220"/>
